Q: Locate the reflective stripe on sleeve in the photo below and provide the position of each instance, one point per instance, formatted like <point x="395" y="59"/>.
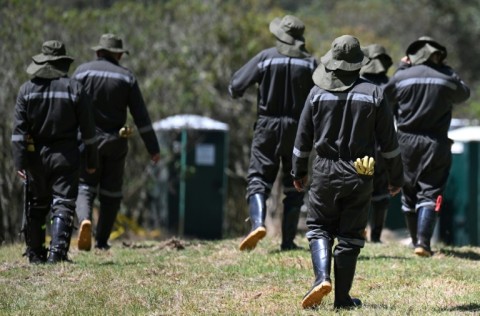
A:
<point x="300" y="154"/>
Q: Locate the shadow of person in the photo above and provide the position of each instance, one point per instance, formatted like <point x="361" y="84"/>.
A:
<point x="469" y="255"/>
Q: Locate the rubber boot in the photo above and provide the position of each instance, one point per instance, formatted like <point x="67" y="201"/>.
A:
<point x="258" y="212"/>
<point x="290" y="219"/>
<point x="61" y="230"/>
<point x="109" y="208"/>
<point x="377" y="221"/>
<point x="411" y="219"/>
<point x="426" y="224"/>
<point x="321" y="252"/>
<point x="344" y="268"/>
<point x="34" y="232"/>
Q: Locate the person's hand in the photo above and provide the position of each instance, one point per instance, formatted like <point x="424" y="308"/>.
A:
<point x="155" y="158"/>
<point x="405" y="60"/>
<point x="90" y="170"/>
<point x="21" y="174"/>
<point x="393" y="190"/>
<point x="300" y="183"/>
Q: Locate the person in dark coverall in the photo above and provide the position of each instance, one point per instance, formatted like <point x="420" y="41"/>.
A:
<point x="376" y="72"/>
<point x="284" y="77"/>
<point x="422" y="93"/>
<point x="343" y="118"/>
<point x="113" y="89"/>
<point x="49" y="111"/>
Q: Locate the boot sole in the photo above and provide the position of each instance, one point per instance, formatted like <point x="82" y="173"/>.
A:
<point x="85" y="236"/>
<point x="419" y="251"/>
<point x="315" y="296"/>
<point x="250" y="242"/>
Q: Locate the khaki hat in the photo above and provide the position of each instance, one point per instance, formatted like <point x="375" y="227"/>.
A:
<point x="420" y="50"/>
<point x="111" y="43"/>
<point x="340" y="66"/>
<point x="380" y="61"/>
<point x="288" y="29"/>
<point x="52" y="62"/>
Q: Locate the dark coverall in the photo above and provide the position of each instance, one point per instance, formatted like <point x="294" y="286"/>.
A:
<point x="343" y="126"/>
<point x="50" y="112"/>
<point x="380" y="195"/>
<point x="283" y="85"/>
<point x="422" y="97"/>
<point x="113" y="89"/>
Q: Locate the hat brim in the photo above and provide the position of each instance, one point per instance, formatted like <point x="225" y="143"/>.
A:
<point x="334" y="80"/>
<point x="416" y="45"/>
<point x="376" y="66"/>
<point x="112" y="50"/>
<point x="42" y="58"/>
<point x="296" y="50"/>
<point x="279" y="33"/>
<point x="333" y="64"/>
<point x="46" y="68"/>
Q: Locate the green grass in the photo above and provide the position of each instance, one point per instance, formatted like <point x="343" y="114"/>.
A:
<point x="214" y="278"/>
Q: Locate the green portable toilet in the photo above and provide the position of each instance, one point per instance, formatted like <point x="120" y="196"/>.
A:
<point x="460" y="218"/>
<point x="192" y="184"/>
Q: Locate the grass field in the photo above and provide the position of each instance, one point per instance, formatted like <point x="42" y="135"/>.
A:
<point x="192" y="277"/>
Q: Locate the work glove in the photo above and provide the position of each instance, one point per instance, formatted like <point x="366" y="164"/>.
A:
<point x="125" y="131"/>
<point x="364" y="166"/>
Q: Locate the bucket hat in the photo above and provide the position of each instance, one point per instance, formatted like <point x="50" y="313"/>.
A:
<point x="380" y="61"/>
<point x="111" y="43"/>
<point x="339" y="68"/>
<point x="288" y="29"/>
<point x="420" y="50"/>
<point x="53" y="60"/>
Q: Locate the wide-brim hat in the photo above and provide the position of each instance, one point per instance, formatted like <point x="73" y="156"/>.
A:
<point x="111" y="43"/>
<point x="334" y="80"/>
<point x="379" y="62"/>
<point x="421" y="49"/>
<point x="53" y="61"/>
<point x="288" y="29"/>
<point x="345" y="54"/>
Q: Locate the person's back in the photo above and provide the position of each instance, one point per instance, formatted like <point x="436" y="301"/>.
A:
<point x="284" y="82"/>
<point x="424" y="96"/>
<point x="110" y="86"/>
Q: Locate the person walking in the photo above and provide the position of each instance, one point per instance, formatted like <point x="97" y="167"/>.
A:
<point x="49" y="111"/>
<point x="422" y="92"/>
<point x="284" y="77"/>
<point x="376" y="72"/>
<point x="114" y="90"/>
<point x="343" y="118"/>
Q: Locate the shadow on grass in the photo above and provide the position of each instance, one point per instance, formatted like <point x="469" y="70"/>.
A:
<point x="471" y="307"/>
<point x="470" y="255"/>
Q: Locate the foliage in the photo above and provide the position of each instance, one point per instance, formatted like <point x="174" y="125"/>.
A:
<point x="191" y="277"/>
<point x="184" y="53"/>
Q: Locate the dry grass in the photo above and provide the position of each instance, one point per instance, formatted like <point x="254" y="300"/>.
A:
<point x="179" y="277"/>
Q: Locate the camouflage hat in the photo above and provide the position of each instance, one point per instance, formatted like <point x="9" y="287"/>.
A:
<point x="52" y="62"/>
<point x="111" y="43"/>
<point x="380" y="61"/>
<point x="420" y="50"/>
<point x="345" y="54"/>
<point x="288" y="29"/>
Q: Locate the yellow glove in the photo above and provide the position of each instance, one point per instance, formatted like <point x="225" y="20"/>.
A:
<point x="125" y="131"/>
<point x="365" y="165"/>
